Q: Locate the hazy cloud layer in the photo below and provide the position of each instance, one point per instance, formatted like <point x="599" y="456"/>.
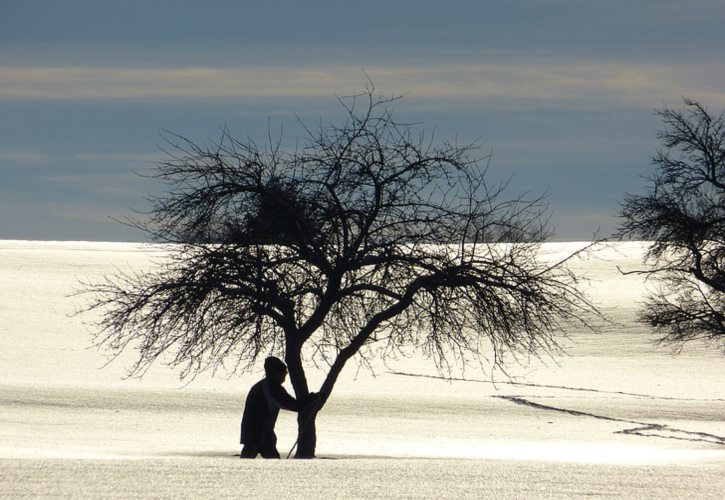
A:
<point x="577" y="82"/>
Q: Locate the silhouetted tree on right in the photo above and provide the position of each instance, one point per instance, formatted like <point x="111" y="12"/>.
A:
<point x="682" y="213"/>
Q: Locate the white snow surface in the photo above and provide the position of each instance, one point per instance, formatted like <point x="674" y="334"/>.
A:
<point x="617" y="415"/>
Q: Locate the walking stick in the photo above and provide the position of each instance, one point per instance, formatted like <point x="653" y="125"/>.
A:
<point x="313" y="408"/>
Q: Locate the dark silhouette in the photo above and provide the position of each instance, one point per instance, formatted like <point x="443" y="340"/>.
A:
<point x="368" y="240"/>
<point x="682" y="214"/>
<point x="261" y="409"/>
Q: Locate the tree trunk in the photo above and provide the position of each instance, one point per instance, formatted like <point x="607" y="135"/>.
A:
<point x="306" y="433"/>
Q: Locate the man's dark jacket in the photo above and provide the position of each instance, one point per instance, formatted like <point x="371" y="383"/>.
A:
<point x="261" y="409"/>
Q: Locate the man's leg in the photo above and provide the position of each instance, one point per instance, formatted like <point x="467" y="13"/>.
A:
<point x="249" y="451"/>
<point x="268" y="449"/>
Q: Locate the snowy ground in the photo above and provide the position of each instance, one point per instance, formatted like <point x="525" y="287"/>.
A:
<point x="617" y="416"/>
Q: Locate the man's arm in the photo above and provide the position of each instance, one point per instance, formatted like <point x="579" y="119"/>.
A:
<point x="282" y="398"/>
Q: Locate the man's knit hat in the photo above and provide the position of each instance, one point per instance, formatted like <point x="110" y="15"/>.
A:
<point x="274" y="366"/>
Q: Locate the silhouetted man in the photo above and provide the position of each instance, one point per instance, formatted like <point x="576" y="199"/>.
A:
<point x="264" y="400"/>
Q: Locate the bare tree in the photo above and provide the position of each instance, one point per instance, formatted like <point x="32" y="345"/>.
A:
<point x="368" y="239"/>
<point x="683" y="214"/>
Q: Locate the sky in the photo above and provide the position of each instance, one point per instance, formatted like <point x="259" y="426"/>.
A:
<point x="562" y="93"/>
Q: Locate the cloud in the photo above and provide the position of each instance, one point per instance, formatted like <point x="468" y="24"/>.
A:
<point x="19" y="159"/>
<point x="47" y="218"/>
<point x="118" y="184"/>
<point x="562" y="81"/>
<point x="12" y="157"/>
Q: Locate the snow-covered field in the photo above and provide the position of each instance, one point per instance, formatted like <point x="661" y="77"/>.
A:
<point x="616" y="416"/>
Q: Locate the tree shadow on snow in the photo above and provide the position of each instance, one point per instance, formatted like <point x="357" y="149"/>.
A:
<point x="643" y="429"/>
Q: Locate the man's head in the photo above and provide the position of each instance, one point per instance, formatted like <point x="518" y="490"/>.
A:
<point x="275" y="369"/>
